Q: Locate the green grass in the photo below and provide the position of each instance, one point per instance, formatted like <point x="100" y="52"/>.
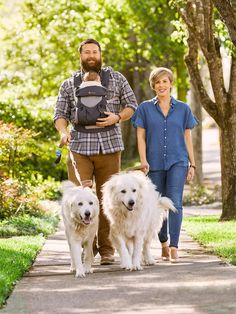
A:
<point x="219" y="237"/>
<point x="16" y="256"/>
<point x="21" y="238"/>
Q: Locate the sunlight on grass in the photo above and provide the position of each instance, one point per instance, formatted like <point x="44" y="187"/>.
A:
<point x="129" y="163"/>
<point x="219" y="237"/>
<point x="16" y="256"/>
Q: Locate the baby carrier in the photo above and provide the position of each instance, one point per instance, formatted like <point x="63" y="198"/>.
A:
<point x="91" y="102"/>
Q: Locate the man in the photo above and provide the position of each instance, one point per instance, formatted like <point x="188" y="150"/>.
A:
<point x="97" y="153"/>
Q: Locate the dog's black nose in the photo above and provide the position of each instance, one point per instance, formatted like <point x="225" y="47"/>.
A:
<point x="87" y="213"/>
<point x="131" y="203"/>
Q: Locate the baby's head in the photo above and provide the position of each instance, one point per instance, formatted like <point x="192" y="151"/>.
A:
<point x="91" y="76"/>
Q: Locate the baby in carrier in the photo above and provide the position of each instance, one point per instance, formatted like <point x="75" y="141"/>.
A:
<point x="91" y="102"/>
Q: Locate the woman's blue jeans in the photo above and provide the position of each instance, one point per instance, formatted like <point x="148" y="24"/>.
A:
<point x="170" y="183"/>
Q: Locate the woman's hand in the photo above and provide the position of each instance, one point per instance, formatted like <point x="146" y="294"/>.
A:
<point x="191" y="173"/>
<point x="145" y="167"/>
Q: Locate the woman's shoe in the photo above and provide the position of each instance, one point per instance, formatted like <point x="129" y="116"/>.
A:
<point x="174" y="255"/>
<point x="165" y="253"/>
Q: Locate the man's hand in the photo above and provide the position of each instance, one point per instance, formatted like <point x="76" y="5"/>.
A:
<point x="61" y="126"/>
<point x="65" y="138"/>
<point x="111" y="118"/>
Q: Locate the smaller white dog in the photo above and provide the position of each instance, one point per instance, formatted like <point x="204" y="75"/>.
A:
<point x="80" y="209"/>
<point x="136" y="212"/>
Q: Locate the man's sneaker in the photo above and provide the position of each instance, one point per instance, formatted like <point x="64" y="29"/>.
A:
<point x="107" y="260"/>
<point x="95" y="251"/>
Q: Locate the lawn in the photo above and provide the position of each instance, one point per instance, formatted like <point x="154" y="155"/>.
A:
<point x="16" y="256"/>
<point x="218" y="237"/>
<point x="21" y="238"/>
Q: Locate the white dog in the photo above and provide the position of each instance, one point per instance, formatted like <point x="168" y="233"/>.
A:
<point x="136" y="212"/>
<point x="80" y="209"/>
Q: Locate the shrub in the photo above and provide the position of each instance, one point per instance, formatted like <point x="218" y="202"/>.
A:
<point x="28" y="225"/>
<point x="15" y="145"/>
<point x="37" y="115"/>
<point x="199" y="194"/>
<point x="18" y="197"/>
<point x="24" y="151"/>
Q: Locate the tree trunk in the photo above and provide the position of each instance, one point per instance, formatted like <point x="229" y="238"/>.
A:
<point x="128" y="131"/>
<point x="127" y="134"/>
<point x="181" y="73"/>
<point x="199" y="18"/>
<point x="197" y="135"/>
<point x="228" y="171"/>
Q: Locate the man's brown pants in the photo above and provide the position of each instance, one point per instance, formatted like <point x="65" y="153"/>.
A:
<point x="101" y="168"/>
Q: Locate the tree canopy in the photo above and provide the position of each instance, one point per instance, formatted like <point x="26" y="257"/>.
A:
<point x="44" y="42"/>
<point x="39" y="49"/>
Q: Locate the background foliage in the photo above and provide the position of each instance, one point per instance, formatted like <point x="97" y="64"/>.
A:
<point x="39" y="49"/>
<point x="40" y="41"/>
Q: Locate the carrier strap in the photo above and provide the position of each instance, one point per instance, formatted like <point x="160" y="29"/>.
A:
<point x="93" y="128"/>
<point x="88" y="91"/>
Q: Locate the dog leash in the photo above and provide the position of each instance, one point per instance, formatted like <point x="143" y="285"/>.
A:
<point x="58" y="159"/>
<point x="75" y="169"/>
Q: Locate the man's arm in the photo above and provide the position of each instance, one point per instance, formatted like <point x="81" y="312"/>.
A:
<point x="61" y="125"/>
<point x="113" y="118"/>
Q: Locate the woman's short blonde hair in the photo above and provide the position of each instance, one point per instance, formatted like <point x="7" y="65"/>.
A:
<point x="157" y="73"/>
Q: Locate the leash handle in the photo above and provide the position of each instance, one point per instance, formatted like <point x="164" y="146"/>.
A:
<point x="58" y="154"/>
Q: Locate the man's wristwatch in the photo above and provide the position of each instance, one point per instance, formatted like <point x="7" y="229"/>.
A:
<point x="119" y="117"/>
<point x="192" y="166"/>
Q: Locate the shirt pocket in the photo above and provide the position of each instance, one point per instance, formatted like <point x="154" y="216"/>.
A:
<point x="113" y="100"/>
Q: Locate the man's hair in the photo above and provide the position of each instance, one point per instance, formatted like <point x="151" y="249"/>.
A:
<point x="89" y="41"/>
<point x="91" y="76"/>
<point x="157" y="73"/>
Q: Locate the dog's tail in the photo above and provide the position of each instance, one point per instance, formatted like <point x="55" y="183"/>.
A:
<point x="166" y="203"/>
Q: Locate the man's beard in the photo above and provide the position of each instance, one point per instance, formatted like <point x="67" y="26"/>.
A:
<point x="96" y="66"/>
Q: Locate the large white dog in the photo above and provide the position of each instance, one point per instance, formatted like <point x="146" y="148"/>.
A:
<point x="136" y="212"/>
<point x="80" y="209"/>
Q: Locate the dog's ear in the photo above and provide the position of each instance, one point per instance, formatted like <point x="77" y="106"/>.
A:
<point x="112" y="188"/>
<point x="108" y="187"/>
<point x="140" y="179"/>
<point x="69" y="204"/>
<point x="108" y="193"/>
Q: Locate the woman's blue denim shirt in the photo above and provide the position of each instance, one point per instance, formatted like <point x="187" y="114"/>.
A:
<point x="165" y="142"/>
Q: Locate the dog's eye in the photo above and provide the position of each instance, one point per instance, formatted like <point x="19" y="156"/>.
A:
<point x="90" y="203"/>
<point x="134" y="190"/>
<point x="80" y="203"/>
<point x="123" y="191"/>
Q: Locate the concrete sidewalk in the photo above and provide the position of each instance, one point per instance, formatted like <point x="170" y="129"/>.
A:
<point x="199" y="283"/>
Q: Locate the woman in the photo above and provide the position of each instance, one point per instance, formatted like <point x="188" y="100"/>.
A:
<point x="166" y="152"/>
